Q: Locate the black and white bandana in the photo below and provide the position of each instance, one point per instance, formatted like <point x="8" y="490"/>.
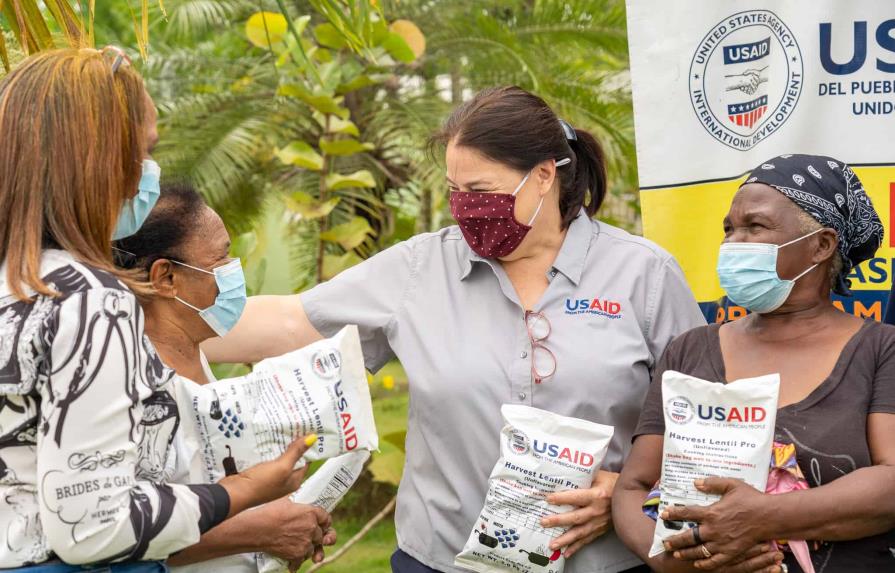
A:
<point x="829" y="191"/>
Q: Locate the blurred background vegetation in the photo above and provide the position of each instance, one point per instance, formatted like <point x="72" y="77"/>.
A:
<point x="305" y="125"/>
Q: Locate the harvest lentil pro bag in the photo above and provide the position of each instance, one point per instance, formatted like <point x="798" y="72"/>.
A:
<point x="712" y="429"/>
<point x="325" y="489"/>
<point x="540" y="453"/>
<point x="231" y="425"/>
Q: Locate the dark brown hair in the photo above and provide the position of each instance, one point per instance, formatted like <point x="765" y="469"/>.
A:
<point x="517" y="128"/>
<point x="171" y="224"/>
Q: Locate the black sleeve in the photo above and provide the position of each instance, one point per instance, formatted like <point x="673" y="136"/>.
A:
<point x="214" y="502"/>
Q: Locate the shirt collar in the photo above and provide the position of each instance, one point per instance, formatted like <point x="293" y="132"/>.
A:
<point x="570" y="260"/>
<point x="573" y="253"/>
<point x="470" y="258"/>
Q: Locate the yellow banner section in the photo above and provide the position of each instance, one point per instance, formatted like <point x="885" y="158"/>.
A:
<point x="687" y="220"/>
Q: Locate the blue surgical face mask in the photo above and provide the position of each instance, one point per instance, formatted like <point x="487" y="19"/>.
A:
<point x="748" y="274"/>
<point x="223" y="315"/>
<point x="135" y="210"/>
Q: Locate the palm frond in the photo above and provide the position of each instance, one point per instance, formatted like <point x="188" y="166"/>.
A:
<point x="195" y="18"/>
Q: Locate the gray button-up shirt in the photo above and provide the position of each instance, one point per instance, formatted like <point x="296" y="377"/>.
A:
<point x="453" y="319"/>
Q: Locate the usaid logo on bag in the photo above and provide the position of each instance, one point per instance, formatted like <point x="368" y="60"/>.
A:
<point x="518" y="442"/>
<point x="327" y="363"/>
<point x="679" y="409"/>
<point x="746" y="78"/>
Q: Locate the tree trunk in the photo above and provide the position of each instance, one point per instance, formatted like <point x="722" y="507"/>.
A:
<point x="425" y="223"/>
<point x="324" y="222"/>
<point x="456" y="84"/>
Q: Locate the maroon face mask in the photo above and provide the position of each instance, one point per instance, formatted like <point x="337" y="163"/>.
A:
<point x="488" y="221"/>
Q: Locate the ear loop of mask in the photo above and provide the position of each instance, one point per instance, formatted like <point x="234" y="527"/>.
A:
<point x="177" y="298"/>
<point x="805" y="272"/>
<point x="809" y="269"/>
<point x="180" y="300"/>
<point x="560" y="163"/>
<point x="814" y="232"/>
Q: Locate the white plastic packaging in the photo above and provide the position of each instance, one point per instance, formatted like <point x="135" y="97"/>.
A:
<point x="233" y="424"/>
<point x="541" y="453"/>
<point x="325" y="489"/>
<point x="712" y="429"/>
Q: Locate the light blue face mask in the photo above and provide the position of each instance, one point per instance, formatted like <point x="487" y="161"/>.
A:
<point x="135" y="210"/>
<point x="223" y="315"/>
<point x="748" y="274"/>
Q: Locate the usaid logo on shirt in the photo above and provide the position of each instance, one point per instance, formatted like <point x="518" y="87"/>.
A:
<point x="595" y="306"/>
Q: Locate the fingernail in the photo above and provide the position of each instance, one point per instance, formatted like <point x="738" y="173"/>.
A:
<point x="667" y="546"/>
<point x="779" y="558"/>
<point x="699" y="482"/>
<point x="310" y="439"/>
<point x="553" y="546"/>
<point x="664" y="515"/>
<point x="677" y="554"/>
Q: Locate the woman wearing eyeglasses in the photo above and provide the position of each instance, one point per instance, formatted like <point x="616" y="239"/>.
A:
<point x="527" y="301"/>
<point x="80" y="384"/>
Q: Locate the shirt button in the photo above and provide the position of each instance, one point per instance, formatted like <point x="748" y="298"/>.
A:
<point x="522" y="395"/>
<point x="524" y="354"/>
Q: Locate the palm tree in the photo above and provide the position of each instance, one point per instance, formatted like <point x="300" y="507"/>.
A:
<point x="223" y="116"/>
<point x="573" y="54"/>
<point x="250" y="126"/>
<point x="37" y="25"/>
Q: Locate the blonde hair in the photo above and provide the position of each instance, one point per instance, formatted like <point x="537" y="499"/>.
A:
<point x="73" y="140"/>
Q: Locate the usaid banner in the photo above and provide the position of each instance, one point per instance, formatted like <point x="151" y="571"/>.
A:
<point x="722" y="85"/>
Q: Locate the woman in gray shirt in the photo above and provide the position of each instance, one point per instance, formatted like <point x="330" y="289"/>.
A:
<point x="527" y="301"/>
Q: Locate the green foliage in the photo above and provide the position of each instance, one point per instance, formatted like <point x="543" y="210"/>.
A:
<point x="37" y="25"/>
<point x="266" y="29"/>
<point x="359" y="179"/>
<point x="333" y="114"/>
<point x="300" y="154"/>
<point x="349" y="235"/>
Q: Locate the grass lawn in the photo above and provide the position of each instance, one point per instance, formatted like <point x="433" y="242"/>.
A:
<point x="371" y="555"/>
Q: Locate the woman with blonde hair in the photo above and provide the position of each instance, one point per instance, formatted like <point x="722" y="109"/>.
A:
<point x="79" y="381"/>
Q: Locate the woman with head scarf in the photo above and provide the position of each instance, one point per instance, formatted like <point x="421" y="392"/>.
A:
<point x="795" y="229"/>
